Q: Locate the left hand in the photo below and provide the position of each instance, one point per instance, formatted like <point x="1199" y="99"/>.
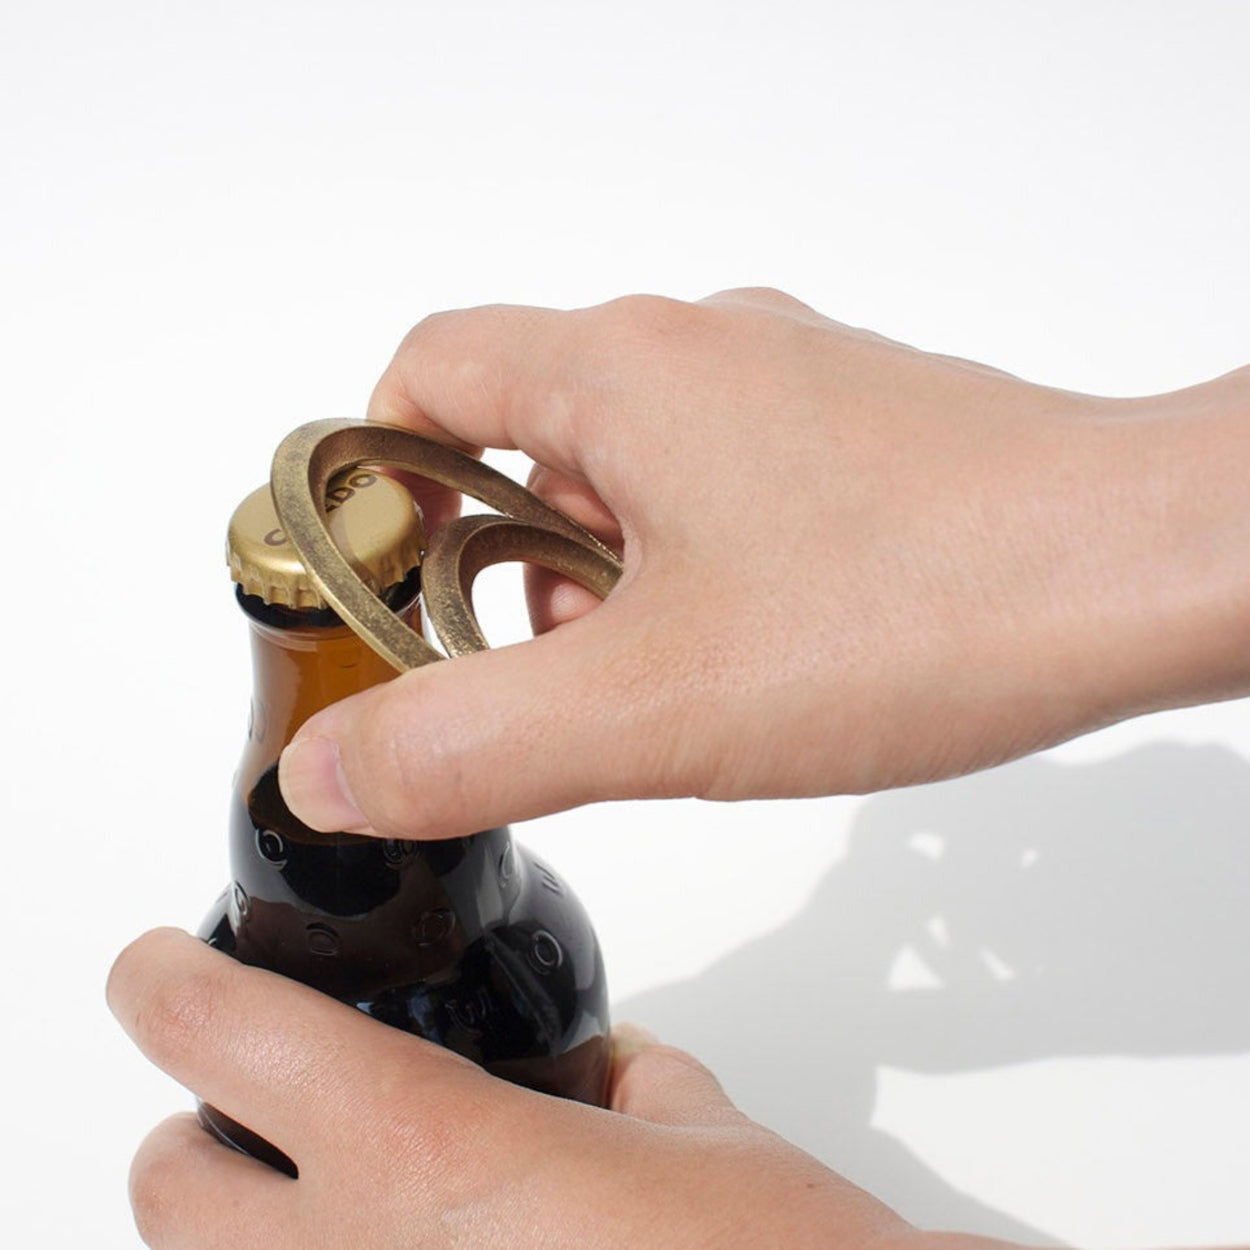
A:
<point x="401" y="1144"/>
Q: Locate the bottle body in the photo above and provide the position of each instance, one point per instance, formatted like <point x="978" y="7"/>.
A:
<point x="471" y="943"/>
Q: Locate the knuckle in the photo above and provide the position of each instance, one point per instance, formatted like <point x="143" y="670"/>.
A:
<point x="175" y="1015"/>
<point x="647" y="318"/>
<point x="443" y="352"/>
<point x="406" y="779"/>
<point x="391" y="790"/>
<point x="766" y="295"/>
<point x="454" y="357"/>
<point x="633" y="339"/>
<point x="760" y="297"/>
<point x="431" y="328"/>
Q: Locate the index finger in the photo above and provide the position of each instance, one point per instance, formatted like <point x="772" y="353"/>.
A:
<point x="285" y="1060"/>
<point x="499" y="376"/>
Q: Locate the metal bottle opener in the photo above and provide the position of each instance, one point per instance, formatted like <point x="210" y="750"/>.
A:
<point x="527" y="530"/>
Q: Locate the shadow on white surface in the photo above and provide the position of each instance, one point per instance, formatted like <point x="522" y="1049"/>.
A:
<point x="1036" y="911"/>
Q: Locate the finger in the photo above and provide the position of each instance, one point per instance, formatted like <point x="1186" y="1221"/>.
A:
<point x="572" y="717"/>
<point x="187" y="1190"/>
<point x="286" y="1061"/>
<point x="662" y="1084"/>
<point x="556" y="385"/>
<point x="554" y="600"/>
<point x="498" y="376"/>
<point x="578" y="500"/>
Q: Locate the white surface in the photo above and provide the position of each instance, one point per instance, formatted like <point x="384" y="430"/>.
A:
<point x="1015" y="1003"/>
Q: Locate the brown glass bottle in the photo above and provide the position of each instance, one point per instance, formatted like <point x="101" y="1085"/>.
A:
<point x="471" y="943"/>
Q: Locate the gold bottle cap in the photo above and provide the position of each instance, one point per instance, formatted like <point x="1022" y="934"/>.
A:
<point x="372" y="519"/>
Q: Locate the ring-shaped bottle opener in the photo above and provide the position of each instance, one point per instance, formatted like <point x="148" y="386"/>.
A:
<point x="527" y="530"/>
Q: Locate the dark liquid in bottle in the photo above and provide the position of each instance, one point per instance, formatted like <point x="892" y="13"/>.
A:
<point x="470" y="943"/>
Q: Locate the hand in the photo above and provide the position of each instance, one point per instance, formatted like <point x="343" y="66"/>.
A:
<point x="403" y="1146"/>
<point x="849" y="565"/>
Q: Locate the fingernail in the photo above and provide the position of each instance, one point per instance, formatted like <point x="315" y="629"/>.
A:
<point x="310" y="775"/>
<point x="629" y="1039"/>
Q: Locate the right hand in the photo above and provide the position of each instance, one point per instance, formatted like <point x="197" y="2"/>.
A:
<point x="849" y="565"/>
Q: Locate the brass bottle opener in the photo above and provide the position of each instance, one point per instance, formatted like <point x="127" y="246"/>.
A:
<point x="527" y="530"/>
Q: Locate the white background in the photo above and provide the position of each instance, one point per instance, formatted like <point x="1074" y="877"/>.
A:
<point x="1016" y="1003"/>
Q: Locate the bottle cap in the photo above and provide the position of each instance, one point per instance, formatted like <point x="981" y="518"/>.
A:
<point x="372" y="520"/>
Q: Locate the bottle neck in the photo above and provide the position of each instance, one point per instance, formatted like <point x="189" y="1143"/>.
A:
<point x="299" y="667"/>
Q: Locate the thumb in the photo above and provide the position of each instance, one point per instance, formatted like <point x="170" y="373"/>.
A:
<point x="662" y="1084"/>
<point x="471" y="743"/>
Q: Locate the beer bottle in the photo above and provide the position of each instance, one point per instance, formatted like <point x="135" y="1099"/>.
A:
<point x="471" y="943"/>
